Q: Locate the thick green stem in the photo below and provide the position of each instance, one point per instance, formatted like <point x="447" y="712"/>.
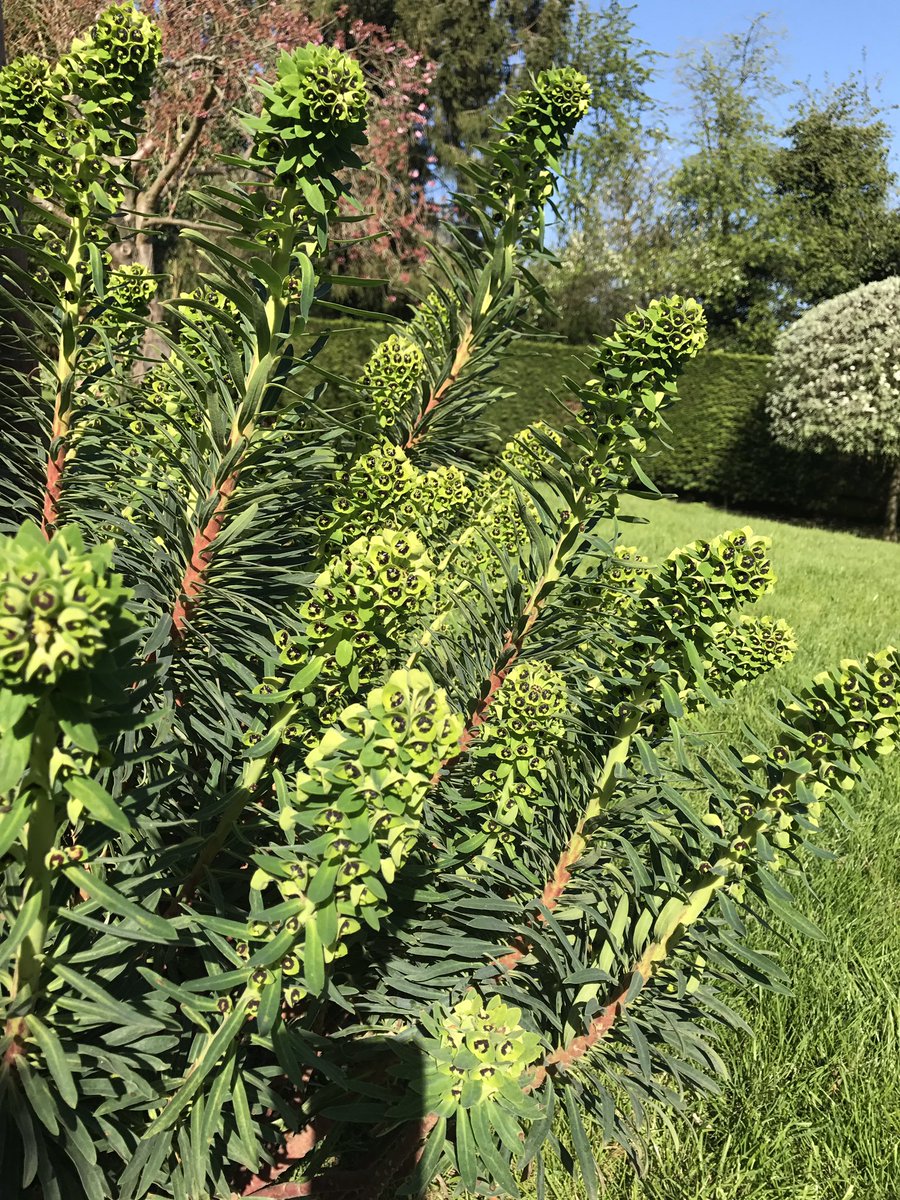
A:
<point x="577" y="844"/>
<point x="66" y="366"/>
<point x="260" y="372"/>
<point x="40" y="835"/>
<point x="263" y="361"/>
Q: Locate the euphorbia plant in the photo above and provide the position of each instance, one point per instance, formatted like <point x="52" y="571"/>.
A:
<point x="350" y="829"/>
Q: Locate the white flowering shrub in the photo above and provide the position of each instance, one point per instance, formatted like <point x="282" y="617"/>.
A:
<point x="836" y="379"/>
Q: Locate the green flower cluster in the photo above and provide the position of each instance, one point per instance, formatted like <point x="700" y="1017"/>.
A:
<point x="518" y="178"/>
<point x="672" y="329"/>
<point x="479" y="1054"/>
<point x="354" y="819"/>
<point x="687" y="606"/>
<point x="637" y="368"/>
<point x="527" y="451"/>
<point x="624" y="577"/>
<point x="383" y="489"/>
<point x="747" y="648"/>
<point x="313" y="114"/>
<point x="118" y="332"/>
<point x="30" y="106"/>
<point x="199" y="324"/>
<point x="112" y="68"/>
<point x="60" y="125"/>
<point x="499" y="522"/>
<point x="856" y="708"/>
<point x="362" y="606"/>
<point x="367" y="594"/>
<point x="392" y="377"/>
<point x="525" y="725"/>
<point x="827" y="735"/>
<point x="167" y="411"/>
<point x="731" y="654"/>
<point x="60" y="608"/>
<point x="131" y="288"/>
<point x="703" y="580"/>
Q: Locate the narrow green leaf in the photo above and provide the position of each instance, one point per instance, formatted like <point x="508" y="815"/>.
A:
<point x="429" y="1164"/>
<point x="582" y="1145"/>
<point x="269" y="1006"/>
<point x="15" y="749"/>
<point x="42" y="1103"/>
<point x="13" y="822"/>
<point x="55" y="1058"/>
<point x="487" y="1149"/>
<point x="314" y="960"/>
<point x="98" y="802"/>
<point x="93" y="991"/>
<point x="211" y="1054"/>
<point x="115" y="902"/>
<point x="12" y="706"/>
<point x="26" y="915"/>
<point x="244" y="1122"/>
<point x="466" y="1159"/>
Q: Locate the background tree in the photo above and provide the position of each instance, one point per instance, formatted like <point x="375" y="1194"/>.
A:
<point x="836" y="380"/>
<point x="607" y="225"/>
<point x="835" y="188"/>
<point x="725" y="228"/>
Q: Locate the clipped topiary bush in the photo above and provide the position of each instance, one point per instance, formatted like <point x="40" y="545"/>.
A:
<point x="351" y="832"/>
<point x="836" y="381"/>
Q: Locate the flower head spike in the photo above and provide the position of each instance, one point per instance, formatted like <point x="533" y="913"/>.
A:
<point x="60" y="608"/>
<point x="313" y="114"/>
<point x="112" y="68"/>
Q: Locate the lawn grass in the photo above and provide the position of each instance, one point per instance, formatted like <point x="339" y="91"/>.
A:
<point x="811" y="1110"/>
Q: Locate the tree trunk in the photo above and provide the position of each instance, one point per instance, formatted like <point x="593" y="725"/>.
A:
<point x="893" y="504"/>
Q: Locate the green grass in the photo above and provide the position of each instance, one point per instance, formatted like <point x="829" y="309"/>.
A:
<point x="811" y="1110"/>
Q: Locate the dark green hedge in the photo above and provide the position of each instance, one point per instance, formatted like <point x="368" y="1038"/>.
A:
<point x="719" y="447"/>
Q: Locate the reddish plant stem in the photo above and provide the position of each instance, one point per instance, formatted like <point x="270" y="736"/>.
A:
<point x="462" y="356"/>
<point x="504" y="663"/>
<point x="566" y="1056"/>
<point x="53" y="490"/>
<point x="507" y="656"/>
<point x="201" y="554"/>
<point x="549" y="899"/>
<point x="17" y="1031"/>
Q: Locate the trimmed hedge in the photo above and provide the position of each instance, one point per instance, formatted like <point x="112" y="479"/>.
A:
<point x="719" y="447"/>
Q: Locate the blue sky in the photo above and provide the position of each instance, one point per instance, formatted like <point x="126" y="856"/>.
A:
<point x="833" y="37"/>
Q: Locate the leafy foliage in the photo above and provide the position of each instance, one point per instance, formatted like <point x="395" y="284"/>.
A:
<point x="350" y="828"/>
